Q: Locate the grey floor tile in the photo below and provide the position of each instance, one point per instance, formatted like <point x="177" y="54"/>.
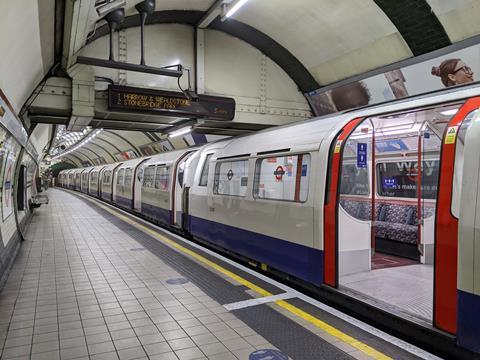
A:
<point x="99" y="348"/>
<point x="189" y="354"/>
<point x="157" y="348"/>
<point x="131" y="353"/>
<point x="178" y="344"/>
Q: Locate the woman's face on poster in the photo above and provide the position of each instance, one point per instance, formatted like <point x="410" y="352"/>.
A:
<point x="462" y="74"/>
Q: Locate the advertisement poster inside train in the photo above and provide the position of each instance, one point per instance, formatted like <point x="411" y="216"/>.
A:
<point x="449" y="70"/>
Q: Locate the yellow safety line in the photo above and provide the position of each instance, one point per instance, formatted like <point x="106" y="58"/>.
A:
<point x="282" y="303"/>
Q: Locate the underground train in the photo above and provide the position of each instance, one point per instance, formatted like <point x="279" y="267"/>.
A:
<point x="378" y="203"/>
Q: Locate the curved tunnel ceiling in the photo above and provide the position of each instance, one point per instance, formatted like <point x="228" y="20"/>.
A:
<point x="320" y="42"/>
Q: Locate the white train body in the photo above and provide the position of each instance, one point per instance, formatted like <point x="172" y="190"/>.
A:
<point x="274" y="197"/>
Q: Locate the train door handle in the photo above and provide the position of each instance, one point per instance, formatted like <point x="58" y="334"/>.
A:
<point x="212" y="209"/>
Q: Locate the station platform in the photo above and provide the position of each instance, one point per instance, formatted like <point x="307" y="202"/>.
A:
<point x="93" y="282"/>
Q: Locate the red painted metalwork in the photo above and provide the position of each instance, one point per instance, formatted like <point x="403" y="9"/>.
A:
<point x="446" y="231"/>
<point x="330" y="210"/>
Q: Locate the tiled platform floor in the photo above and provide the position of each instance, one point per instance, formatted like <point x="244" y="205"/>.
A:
<point x="84" y="288"/>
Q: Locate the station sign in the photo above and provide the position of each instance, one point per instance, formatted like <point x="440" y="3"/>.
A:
<point x="169" y="103"/>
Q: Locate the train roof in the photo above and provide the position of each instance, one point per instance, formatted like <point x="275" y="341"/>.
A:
<point x="167" y="157"/>
<point x="309" y="134"/>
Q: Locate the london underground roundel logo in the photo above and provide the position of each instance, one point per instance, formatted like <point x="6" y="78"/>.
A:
<point x="279" y="172"/>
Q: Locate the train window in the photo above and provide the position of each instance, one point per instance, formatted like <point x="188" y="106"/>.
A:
<point x="128" y="177"/>
<point x="206" y="167"/>
<point x="94" y="176"/>
<point x="399" y="179"/>
<point x="162" y="177"/>
<point x="106" y="176"/>
<point x="458" y="167"/>
<point x="355" y="180"/>
<point x="231" y="178"/>
<point x="149" y="176"/>
<point x="282" y="178"/>
<point x="120" y="177"/>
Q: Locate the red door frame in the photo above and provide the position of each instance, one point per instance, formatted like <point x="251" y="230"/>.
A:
<point x="446" y="231"/>
<point x="330" y="209"/>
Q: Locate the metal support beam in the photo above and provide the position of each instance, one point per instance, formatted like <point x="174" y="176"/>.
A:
<point x="77" y="16"/>
<point x="112" y="64"/>
<point x="200" y="61"/>
<point x="83" y="97"/>
<point x="211" y="14"/>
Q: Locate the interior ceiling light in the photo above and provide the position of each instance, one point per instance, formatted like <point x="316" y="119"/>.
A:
<point x="233" y="7"/>
<point x="181" y="131"/>
<point x="449" y="112"/>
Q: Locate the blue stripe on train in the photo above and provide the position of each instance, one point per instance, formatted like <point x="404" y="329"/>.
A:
<point x="157" y="213"/>
<point x="301" y="261"/>
<point x="120" y="200"/>
<point x="468" y="329"/>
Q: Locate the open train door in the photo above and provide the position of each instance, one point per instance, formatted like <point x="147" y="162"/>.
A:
<point x="178" y="193"/>
<point x="396" y="178"/>
<point x="446" y="229"/>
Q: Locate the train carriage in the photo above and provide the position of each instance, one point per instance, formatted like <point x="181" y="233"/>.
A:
<point x="95" y="179"/>
<point x="106" y="181"/>
<point x="162" y="188"/>
<point x="372" y="203"/>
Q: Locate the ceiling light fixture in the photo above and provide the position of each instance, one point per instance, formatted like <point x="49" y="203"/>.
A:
<point x="233" y="7"/>
<point x="181" y="131"/>
<point x="449" y="112"/>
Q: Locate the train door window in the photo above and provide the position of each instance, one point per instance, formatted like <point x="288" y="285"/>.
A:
<point x="120" y="176"/>
<point x="206" y="167"/>
<point x="231" y="178"/>
<point x="149" y="176"/>
<point x="162" y="177"/>
<point x="282" y="178"/>
<point x="128" y="177"/>
<point x="106" y="176"/>
<point x="458" y="168"/>
<point x="181" y="173"/>
<point x="94" y="176"/>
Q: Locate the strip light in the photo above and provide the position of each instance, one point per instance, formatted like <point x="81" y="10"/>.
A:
<point x="181" y="131"/>
<point x="86" y="140"/>
<point x="233" y="9"/>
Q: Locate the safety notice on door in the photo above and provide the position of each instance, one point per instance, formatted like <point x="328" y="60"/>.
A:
<point x="451" y="135"/>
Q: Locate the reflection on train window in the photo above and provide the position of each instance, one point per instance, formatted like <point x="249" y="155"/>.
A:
<point x="399" y="179"/>
<point x="282" y="178"/>
<point x="120" y="177"/>
<point x="355" y="180"/>
<point x="231" y="178"/>
<point x="149" y="176"/>
<point x="181" y="173"/>
<point x="161" y="178"/>
<point x="458" y="172"/>
<point x="106" y="176"/>
<point x="128" y="177"/>
<point x="94" y="177"/>
<point x="206" y="167"/>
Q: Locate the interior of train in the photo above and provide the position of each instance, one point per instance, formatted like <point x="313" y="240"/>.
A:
<point x="386" y="214"/>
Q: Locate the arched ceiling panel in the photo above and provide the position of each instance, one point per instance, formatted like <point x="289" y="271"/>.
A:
<point x="99" y="151"/>
<point x="118" y="142"/>
<point x="322" y="32"/>
<point x="26" y="35"/>
<point x="458" y="17"/>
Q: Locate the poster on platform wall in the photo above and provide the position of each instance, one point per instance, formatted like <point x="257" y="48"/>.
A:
<point x="454" y="69"/>
<point x="7" y="190"/>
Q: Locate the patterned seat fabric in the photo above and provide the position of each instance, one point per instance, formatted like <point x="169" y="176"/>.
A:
<point x="394" y="222"/>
